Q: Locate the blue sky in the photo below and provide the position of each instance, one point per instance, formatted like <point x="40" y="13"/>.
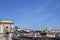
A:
<point x="31" y="14"/>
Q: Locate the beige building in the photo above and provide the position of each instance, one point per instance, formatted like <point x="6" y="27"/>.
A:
<point x="6" y="25"/>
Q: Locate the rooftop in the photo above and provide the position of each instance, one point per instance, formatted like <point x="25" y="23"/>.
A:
<point x="6" y="21"/>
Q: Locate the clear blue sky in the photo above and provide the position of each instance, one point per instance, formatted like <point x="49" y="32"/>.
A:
<point x="31" y="14"/>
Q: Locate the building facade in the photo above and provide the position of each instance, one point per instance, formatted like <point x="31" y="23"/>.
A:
<point x="6" y="26"/>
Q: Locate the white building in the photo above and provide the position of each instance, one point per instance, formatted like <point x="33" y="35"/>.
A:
<point x="6" y="25"/>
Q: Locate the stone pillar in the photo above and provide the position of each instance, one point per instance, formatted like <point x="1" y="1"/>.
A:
<point x="2" y="37"/>
<point x="10" y="35"/>
<point x="1" y="28"/>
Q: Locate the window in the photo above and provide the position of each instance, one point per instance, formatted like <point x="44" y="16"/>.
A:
<point x="6" y="27"/>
